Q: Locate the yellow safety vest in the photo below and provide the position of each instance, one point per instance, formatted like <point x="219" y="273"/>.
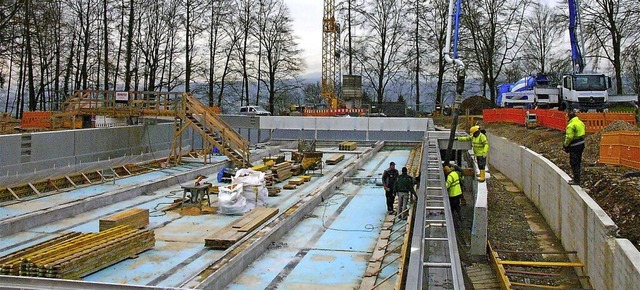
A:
<point x="480" y="144"/>
<point x="453" y="184"/>
<point x="575" y="130"/>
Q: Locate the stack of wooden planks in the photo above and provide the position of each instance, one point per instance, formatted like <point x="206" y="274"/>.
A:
<point x="75" y="255"/>
<point x="296" y="181"/>
<point x="136" y="218"/>
<point x="335" y="159"/>
<point x="273" y="190"/>
<point x="282" y="171"/>
<point x="231" y="234"/>
<point x="347" y="145"/>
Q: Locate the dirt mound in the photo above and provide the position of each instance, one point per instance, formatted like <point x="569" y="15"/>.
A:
<point x="475" y="105"/>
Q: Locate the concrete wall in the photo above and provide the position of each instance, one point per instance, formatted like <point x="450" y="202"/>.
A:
<point x="576" y="219"/>
<point x="55" y="153"/>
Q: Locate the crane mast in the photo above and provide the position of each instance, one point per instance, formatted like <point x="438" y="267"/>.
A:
<point x="328" y="90"/>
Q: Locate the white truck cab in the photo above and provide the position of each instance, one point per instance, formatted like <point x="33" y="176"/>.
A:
<point x="254" y="110"/>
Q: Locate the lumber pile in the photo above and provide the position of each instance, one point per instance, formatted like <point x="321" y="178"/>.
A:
<point x="347" y="145"/>
<point x="289" y="186"/>
<point x="282" y="171"/>
<point x="273" y="190"/>
<point x="335" y="159"/>
<point x="231" y="234"/>
<point x="75" y="255"/>
<point x="296" y="181"/>
<point x="273" y="159"/>
<point x="136" y="218"/>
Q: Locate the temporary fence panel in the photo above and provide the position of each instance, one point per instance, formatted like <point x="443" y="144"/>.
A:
<point x="630" y="149"/>
<point x="555" y="119"/>
<point x="610" y="148"/>
<point x="551" y="119"/>
<point x="621" y="148"/>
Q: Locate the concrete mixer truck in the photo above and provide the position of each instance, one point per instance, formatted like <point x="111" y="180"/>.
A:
<point x="577" y="89"/>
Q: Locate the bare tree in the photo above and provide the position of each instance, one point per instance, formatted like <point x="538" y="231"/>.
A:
<point x="543" y="28"/>
<point x="609" y="27"/>
<point x="380" y="51"/>
<point x="434" y="21"/>
<point x="632" y="67"/>
<point x="495" y="28"/>
<point x="280" y="48"/>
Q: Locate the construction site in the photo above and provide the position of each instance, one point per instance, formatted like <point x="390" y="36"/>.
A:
<point x="188" y="198"/>
<point x="147" y="189"/>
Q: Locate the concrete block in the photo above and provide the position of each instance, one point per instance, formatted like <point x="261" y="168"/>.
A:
<point x="480" y="223"/>
<point x="626" y="266"/>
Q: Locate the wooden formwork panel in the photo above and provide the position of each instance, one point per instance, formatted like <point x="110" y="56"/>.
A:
<point x="335" y="159"/>
<point x="231" y="234"/>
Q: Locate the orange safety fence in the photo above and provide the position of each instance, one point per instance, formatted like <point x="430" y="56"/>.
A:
<point x="36" y="120"/>
<point x="621" y="148"/>
<point x="555" y="119"/>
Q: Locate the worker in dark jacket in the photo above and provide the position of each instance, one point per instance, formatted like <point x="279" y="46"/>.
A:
<point x="404" y="186"/>
<point x="454" y="189"/>
<point x="389" y="178"/>
<point x="480" y="146"/>
<point x="574" y="144"/>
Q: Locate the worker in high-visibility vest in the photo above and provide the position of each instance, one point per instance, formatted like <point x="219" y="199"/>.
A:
<point x="454" y="189"/>
<point x="480" y="146"/>
<point x="574" y="144"/>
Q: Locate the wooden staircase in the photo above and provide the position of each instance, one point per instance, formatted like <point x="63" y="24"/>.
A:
<point x="214" y="131"/>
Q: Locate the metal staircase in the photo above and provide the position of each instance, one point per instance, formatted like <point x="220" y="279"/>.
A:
<point x="190" y="112"/>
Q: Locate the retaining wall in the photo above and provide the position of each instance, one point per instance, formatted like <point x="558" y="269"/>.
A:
<point x="575" y="218"/>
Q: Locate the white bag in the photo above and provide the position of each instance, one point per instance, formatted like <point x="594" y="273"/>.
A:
<point x="231" y="201"/>
<point x="254" y="187"/>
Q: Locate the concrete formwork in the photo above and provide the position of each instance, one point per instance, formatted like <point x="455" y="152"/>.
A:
<point x="572" y="214"/>
<point x="41" y="155"/>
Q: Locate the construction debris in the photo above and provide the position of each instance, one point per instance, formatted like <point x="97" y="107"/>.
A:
<point x="229" y="235"/>
<point x="136" y="218"/>
<point x="75" y="255"/>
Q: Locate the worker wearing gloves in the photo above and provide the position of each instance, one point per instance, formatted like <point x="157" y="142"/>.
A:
<point x="574" y="144"/>
<point x="454" y="189"/>
<point x="404" y="186"/>
<point x="480" y="148"/>
<point x="389" y="178"/>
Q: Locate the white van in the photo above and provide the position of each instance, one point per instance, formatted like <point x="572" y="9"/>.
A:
<point x="254" y="110"/>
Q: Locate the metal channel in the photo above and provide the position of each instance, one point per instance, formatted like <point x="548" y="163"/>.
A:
<point x="434" y="262"/>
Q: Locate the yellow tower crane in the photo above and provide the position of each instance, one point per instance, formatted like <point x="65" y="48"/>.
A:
<point x="329" y="36"/>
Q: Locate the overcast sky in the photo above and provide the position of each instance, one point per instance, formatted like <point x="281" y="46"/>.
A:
<point x="307" y="25"/>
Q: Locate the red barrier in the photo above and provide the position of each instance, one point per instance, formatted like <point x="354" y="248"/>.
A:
<point x="621" y="148"/>
<point x="555" y="119"/>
